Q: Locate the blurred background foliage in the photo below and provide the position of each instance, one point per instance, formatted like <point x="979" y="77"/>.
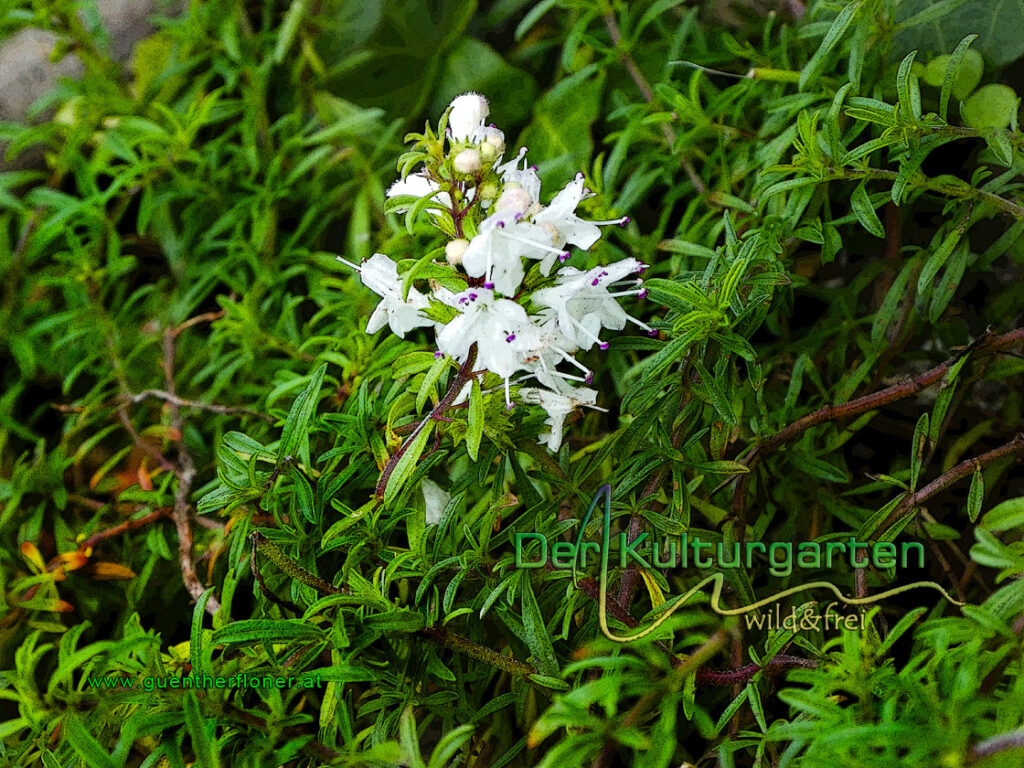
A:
<point x="185" y="364"/>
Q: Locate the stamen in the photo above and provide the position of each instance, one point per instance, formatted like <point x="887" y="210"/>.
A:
<point x="534" y="243"/>
<point x="510" y="338"/>
<point x="563" y="257"/>
<point x="636" y="322"/>
<point x="438" y="355"/>
<point x="569" y="377"/>
<point x="652" y="332"/>
<point x="572" y="360"/>
<point x="349" y="264"/>
<point x="608" y="222"/>
<point x="509" y="405"/>
<point x="489" y="286"/>
<point x="586" y="331"/>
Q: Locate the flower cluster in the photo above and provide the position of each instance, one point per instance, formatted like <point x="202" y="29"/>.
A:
<point x="499" y="233"/>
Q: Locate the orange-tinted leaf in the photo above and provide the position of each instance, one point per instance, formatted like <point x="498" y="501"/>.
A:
<point x="31" y="553"/>
<point x="143" y="477"/>
<point x="72" y="560"/>
<point x="110" y="571"/>
<point x="164" y="431"/>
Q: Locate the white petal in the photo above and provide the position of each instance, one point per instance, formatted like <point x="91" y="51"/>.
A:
<point x="436" y="499"/>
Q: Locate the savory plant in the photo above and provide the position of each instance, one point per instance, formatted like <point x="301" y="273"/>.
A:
<point x="255" y="514"/>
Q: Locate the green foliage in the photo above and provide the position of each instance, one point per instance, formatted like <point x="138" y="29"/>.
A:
<point x="834" y="283"/>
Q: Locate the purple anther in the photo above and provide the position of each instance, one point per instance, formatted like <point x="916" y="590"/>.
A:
<point x="489" y="286"/>
<point x="501" y="224"/>
<point x="603" y="273"/>
<point x="533" y="167"/>
<point x="438" y="355"/>
<point x="595" y="281"/>
<point x="463" y="300"/>
<point x="511" y="337"/>
<point x="519" y="217"/>
<point x="652" y="333"/>
<point x="604" y="345"/>
<point x="641" y="270"/>
<point x="642" y="294"/>
<point x="564" y="256"/>
<point x="625" y="220"/>
<point x="589" y="378"/>
<point x="472" y="297"/>
<point x="510" y="406"/>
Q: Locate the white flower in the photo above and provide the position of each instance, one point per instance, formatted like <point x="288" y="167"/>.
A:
<point x="418" y="185"/>
<point x="560" y="218"/>
<point x="497" y="252"/>
<point x="380" y="274"/>
<point x="558" y="406"/>
<point x="436" y="499"/>
<point x="467" y="115"/>
<point x="525" y="177"/>
<point x="500" y="328"/>
<point x="580" y="304"/>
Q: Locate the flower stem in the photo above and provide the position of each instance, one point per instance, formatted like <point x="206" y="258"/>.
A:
<point x="464" y="375"/>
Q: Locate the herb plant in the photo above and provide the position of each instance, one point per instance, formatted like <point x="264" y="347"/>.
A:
<point x="225" y="454"/>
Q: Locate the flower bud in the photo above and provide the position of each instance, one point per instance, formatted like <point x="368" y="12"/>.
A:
<point x="514" y="198"/>
<point x="467" y="161"/>
<point x="455" y="250"/>
<point x="488" y="153"/>
<point x="468" y="113"/>
<point x="487" y="191"/>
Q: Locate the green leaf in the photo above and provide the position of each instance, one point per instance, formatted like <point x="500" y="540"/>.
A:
<point x="1005" y="515"/>
<point x="936" y="261"/>
<point x="409" y="739"/>
<point x="976" y="495"/>
<point x="195" y="646"/>
<point x="297" y="12"/>
<point x="407" y="463"/>
<point x="917" y="449"/>
<point x="998" y="140"/>
<point x="85" y="745"/>
<point x="865" y="211"/>
<point x="547" y="681"/>
<point x="962" y="75"/>
<point x="945" y="397"/>
<point x="951" y="276"/>
<point x="296" y="426"/>
<point x="818" y="468"/>
<point x="814" y="68"/>
<point x="475" y="430"/>
<point x="205" y="750"/>
<point x="907" y="89"/>
<point x="265" y="630"/>
<point x="537" y="637"/>
<point x="900" y="629"/>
